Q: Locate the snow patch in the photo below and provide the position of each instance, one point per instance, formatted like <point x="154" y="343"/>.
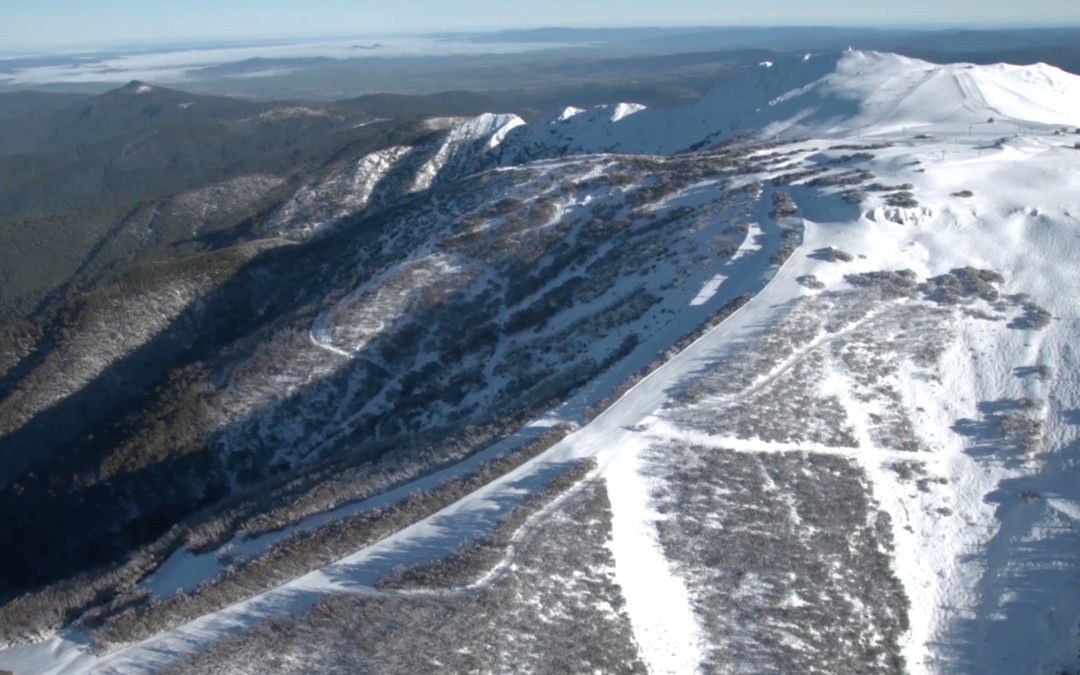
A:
<point x="568" y="112"/>
<point x="292" y="112"/>
<point x="624" y="110"/>
<point x="708" y="290"/>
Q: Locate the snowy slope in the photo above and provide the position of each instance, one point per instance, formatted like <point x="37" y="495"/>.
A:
<point x="888" y="92"/>
<point x="985" y="542"/>
<point x="379" y="178"/>
<point x="314" y="208"/>
<point x="484" y="132"/>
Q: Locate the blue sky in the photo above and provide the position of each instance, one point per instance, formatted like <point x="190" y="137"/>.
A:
<point x="49" y="23"/>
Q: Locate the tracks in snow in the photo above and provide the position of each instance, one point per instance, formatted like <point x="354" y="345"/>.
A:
<point x="662" y="430"/>
<point x="500" y="569"/>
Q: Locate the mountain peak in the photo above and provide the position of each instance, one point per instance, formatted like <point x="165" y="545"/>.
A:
<point x="136" y="87"/>
<point x="839" y="94"/>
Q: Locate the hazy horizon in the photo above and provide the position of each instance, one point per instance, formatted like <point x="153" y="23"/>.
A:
<point x="342" y="66"/>
<point x="50" y="25"/>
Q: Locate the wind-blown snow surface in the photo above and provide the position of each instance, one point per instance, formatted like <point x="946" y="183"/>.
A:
<point x="924" y="390"/>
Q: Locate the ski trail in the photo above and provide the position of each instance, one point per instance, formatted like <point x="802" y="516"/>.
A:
<point x="325" y="345"/>
<point x="662" y="430"/>
<point x="658" y="602"/>
<point x="500" y="569"/>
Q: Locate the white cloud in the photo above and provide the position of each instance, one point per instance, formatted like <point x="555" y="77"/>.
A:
<point x="183" y="65"/>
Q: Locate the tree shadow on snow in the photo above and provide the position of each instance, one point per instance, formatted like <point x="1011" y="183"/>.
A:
<point x="1024" y="619"/>
<point x="993" y="435"/>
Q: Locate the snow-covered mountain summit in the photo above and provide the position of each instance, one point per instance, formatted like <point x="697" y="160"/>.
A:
<point x="888" y="92"/>
<point x="855" y="92"/>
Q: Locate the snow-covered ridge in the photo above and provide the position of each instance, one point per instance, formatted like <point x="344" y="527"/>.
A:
<point x="314" y="208"/>
<point x="380" y="176"/>
<point x="892" y="92"/>
<point x="488" y="129"/>
<point x="828" y="95"/>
